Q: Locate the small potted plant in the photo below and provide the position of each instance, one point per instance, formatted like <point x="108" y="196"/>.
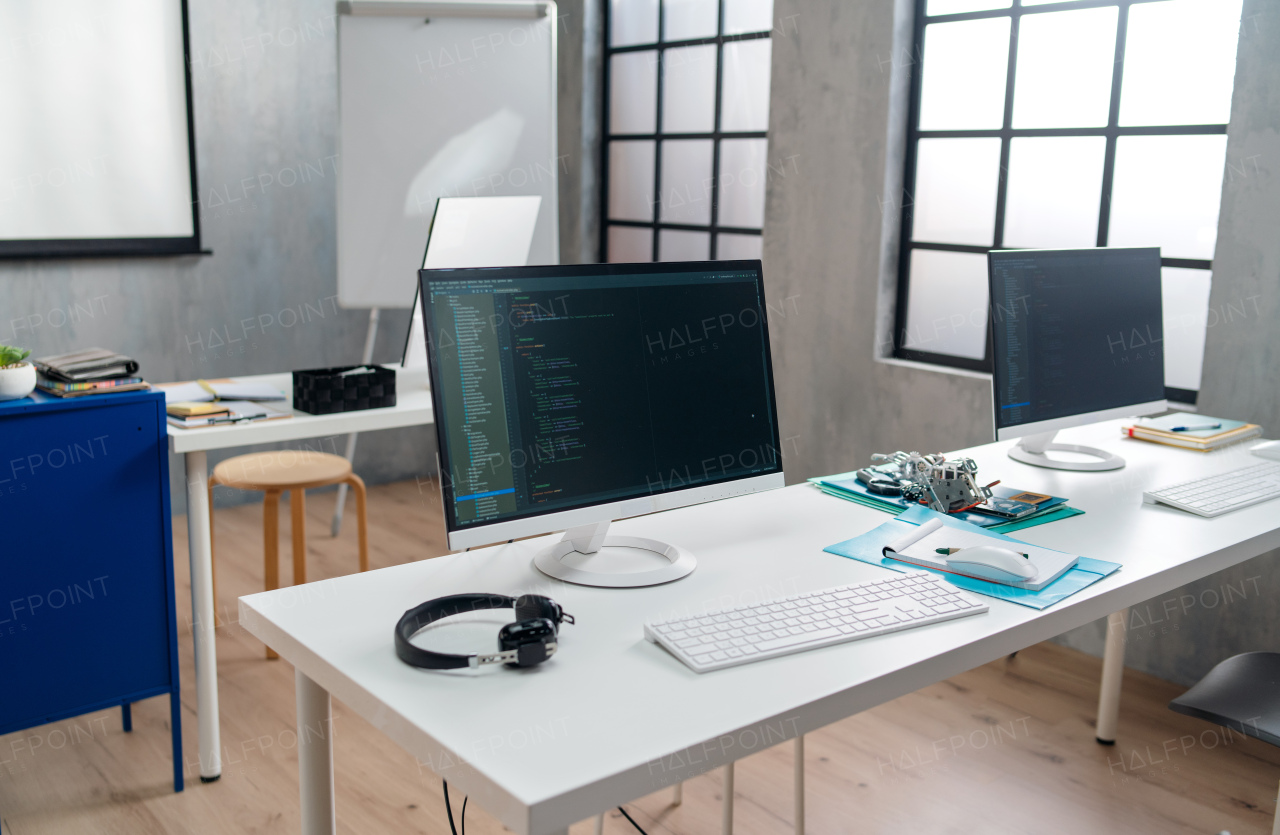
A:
<point x="17" y="376"/>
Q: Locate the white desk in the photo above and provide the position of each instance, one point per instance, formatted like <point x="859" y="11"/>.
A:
<point x="612" y="717"/>
<point x="413" y="408"/>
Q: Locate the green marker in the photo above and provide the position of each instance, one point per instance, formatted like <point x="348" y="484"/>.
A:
<point x="946" y="552"/>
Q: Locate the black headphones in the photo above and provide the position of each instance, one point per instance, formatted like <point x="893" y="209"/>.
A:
<point x="527" y="642"/>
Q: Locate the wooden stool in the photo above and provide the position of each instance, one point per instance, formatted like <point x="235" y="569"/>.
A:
<point x="294" y="471"/>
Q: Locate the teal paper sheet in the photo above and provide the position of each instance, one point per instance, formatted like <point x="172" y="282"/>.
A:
<point x="1062" y="511"/>
<point x="868" y="548"/>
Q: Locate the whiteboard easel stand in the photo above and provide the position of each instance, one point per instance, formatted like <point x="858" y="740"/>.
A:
<point x="370" y="337"/>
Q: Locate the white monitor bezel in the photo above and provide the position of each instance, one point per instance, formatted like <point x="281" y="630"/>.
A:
<point x="565" y="519"/>
<point x="1041" y="427"/>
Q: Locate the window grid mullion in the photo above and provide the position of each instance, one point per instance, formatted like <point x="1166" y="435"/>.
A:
<point x="1113" y="122"/>
<point x="715" y="143"/>
<point x="1002" y="174"/>
<point x="657" y="131"/>
<point x="907" y="230"/>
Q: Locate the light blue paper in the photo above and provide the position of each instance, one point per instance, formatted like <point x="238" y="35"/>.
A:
<point x="868" y="548"/>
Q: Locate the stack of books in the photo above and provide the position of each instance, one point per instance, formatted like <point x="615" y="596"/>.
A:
<point x="221" y="402"/>
<point x="1192" y="431"/>
<point x="91" y="371"/>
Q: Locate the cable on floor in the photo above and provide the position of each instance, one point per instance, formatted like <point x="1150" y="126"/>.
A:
<point x="633" y="821"/>
<point x="449" y="808"/>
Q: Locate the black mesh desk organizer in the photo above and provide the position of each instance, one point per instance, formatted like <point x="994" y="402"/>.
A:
<point x="323" y="391"/>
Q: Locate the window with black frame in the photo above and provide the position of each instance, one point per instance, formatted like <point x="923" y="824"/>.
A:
<point x="686" y="110"/>
<point x="1057" y="125"/>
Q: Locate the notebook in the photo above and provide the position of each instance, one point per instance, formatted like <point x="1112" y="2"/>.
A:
<point x="1160" y="430"/>
<point x="919" y="547"/>
<point x="226" y="390"/>
<point x="238" y="411"/>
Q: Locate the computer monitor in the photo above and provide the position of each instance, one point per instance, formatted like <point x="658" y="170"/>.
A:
<point x="570" y="396"/>
<point x="1077" y="338"/>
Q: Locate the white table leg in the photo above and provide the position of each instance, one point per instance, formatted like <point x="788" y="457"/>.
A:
<point x="726" y="808"/>
<point x="1275" y="823"/>
<point x="202" y="614"/>
<point x="315" y="757"/>
<point x="677" y="794"/>
<point x="599" y="830"/>
<point x="1112" y="674"/>
<point x="799" y="775"/>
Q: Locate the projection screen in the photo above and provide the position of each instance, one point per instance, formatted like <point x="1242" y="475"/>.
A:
<point x="96" y="150"/>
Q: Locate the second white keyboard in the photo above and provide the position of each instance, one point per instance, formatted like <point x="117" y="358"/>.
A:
<point x="814" y="619"/>
<point x="1223" y="493"/>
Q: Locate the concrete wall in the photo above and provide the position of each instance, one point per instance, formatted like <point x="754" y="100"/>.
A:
<point x="264" y="76"/>
<point x="835" y="134"/>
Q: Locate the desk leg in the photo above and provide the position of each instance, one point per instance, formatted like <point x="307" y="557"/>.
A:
<point x="599" y="829"/>
<point x="315" y="757"/>
<point x="202" y="613"/>
<point x="799" y="775"/>
<point x="726" y="809"/>
<point x="1112" y="673"/>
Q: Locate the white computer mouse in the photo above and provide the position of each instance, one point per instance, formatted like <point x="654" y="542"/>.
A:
<point x="991" y="562"/>
<point x="1267" y="449"/>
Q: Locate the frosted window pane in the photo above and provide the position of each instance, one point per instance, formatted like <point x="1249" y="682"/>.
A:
<point x="631" y="180"/>
<point x="947" y="311"/>
<point x="686" y="181"/>
<point x="747" y="16"/>
<point x="1186" y="307"/>
<point x="745" y="102"/>
<point x="679" y="245"/>
<point x="742" y="180"/>
<point x="633" y="21"/>
<point x="1063" y="78"/>
<point x="1055" y="185"/>
<point x="731" y="247"/>
<point x="965" y="69"/>
<point x="1166" y="193"/>
<point x="955" y="199"/>
<point x="629" y="245"/>
<point x="686" y="19"/>
<point x="1180" y="62"/>
<point x="689" y="89"/>
<point x="633" y="92"/>
<point x="957" y="6"/>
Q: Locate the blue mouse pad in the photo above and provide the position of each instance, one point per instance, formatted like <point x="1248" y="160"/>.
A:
<point x="867" y="548"/>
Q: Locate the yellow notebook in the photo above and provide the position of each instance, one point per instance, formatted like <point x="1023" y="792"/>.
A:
<point x="189" y="408"/>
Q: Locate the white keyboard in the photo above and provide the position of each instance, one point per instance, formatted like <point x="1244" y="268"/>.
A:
<point x="807" y="621"/>
<point x="1219" y="494"/>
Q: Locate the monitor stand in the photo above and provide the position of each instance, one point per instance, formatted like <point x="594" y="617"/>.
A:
<point x="1034" y="449"/>
<point x="591" y="539"/>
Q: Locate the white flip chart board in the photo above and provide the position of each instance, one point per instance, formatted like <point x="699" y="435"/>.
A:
<point x="438" y="100"/>
<point x="473" y="232"/>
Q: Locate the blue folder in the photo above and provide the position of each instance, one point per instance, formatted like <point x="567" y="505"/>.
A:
<point x="869" y="547"/>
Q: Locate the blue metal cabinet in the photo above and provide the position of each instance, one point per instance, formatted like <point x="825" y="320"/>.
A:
<point x="86" y="560"/>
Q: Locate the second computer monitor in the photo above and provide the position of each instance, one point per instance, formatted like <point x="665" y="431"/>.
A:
<point x="1077" y="338"/>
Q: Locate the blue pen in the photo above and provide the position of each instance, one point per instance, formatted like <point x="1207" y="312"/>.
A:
<point x="1196" y="428"/>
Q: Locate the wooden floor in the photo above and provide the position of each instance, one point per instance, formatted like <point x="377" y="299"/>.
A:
<point x="1006" y="748"/>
